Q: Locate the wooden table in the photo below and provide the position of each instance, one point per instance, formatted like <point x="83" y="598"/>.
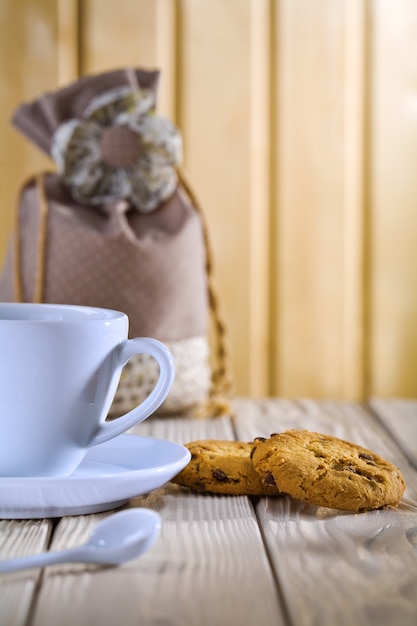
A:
<point x="224" y="560"/>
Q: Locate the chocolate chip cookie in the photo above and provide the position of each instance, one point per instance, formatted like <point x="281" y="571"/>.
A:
<point x="218" y="466"/>
<point x="326" y="471"/>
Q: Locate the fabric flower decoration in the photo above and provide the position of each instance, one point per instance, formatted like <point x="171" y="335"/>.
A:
<point x="120" y="149"/>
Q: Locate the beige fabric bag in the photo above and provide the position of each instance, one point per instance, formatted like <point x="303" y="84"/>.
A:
<point x="101" y="250"/>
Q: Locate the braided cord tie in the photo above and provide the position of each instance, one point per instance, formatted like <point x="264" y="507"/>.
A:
<point x="222" y="379"/>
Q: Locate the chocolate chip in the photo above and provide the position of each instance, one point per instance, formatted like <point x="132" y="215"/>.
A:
<point x="220" y="476"/>
<point x="269" y="479"/>
<point x="368" y="457"/>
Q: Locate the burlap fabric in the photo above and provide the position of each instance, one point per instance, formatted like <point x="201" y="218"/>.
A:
<point x="154" y="266"/>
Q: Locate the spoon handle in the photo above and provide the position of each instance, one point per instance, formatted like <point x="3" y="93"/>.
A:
<point x="39" y="560"/>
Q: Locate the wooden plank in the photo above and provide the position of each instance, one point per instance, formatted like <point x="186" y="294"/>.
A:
<point x="17" y="590"/>
<point x="309" y="184"/>
<point x="400" y="419"/>
<point x="258" y="345"/>
<point x="207" y="567"/>
<point x="28" y="33"/>
<point x="224" y="115"/>
<point x="356" y="233"/>
<point x="335" y="567"/>
<point x="393" y="192"/>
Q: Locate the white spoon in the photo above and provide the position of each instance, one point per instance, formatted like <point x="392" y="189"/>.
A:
<point x="117" y="539"/>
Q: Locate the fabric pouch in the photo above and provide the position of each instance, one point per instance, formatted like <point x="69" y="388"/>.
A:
<point x="118" y="226"/>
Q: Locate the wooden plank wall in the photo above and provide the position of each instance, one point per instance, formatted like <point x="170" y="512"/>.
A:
<point x="299" y="120"/>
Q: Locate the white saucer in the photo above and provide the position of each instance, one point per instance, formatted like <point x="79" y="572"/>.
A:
<point x="110" y="474"/>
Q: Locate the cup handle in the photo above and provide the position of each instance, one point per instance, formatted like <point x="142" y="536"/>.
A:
<point x="123" y="352"/>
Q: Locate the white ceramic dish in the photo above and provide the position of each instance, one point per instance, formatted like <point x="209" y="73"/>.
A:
<point x="109" y="475"/>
